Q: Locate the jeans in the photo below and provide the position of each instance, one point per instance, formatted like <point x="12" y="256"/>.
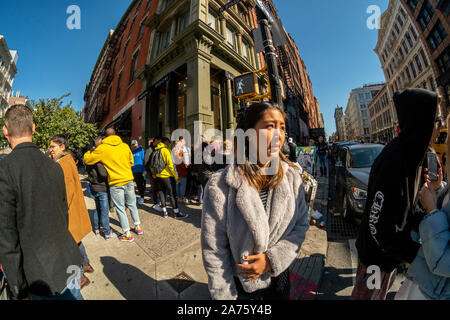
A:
<point x="323" y="164"/>
<point x="181" y="187"/>
<point x="71" y="292"/>
<point x="125" y="197"/>
<point x="102" y="212"/>
<point x="83" y="252"/>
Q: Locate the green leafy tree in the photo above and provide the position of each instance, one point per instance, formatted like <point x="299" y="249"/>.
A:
<point x="52" y="118"/>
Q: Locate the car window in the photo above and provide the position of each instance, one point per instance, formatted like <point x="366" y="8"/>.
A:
<point x="364" y="158"/>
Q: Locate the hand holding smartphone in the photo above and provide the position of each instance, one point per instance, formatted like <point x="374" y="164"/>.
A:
<point x="433" y="170"/>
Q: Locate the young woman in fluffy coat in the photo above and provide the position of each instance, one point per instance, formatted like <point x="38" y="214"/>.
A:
<point x="254" y="222"/>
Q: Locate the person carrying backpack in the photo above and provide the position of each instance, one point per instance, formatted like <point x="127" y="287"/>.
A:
<point x="162" y="169"/>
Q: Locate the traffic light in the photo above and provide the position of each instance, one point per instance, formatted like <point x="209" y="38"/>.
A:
<point x="246" y="86"/>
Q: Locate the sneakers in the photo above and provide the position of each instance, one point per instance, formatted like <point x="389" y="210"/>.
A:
<point x="139" y="231"/>
<point x="181" y="215"/>
<point x="97" y="233"/>
<point x="141" y="201"/>
<point x="125" y="238"/>
<point x="110" y="236"/>
<point x="158" y="208"/>
<point x="166" y="215"/>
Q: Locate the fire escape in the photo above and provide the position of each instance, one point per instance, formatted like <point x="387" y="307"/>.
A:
<point x="294" y="92"/>
<point x="108" y="73"/>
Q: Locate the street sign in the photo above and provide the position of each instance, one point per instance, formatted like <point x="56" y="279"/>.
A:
<point x="246" y="85"/>
<point x="228" y="5"/>
<point x="263" y="8"/>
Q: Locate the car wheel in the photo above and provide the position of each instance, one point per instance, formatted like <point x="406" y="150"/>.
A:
<point x="346" y="211"/>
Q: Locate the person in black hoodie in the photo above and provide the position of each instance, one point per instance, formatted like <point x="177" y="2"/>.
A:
<point x="98" y="178"/>
<point x="384" y="240"/>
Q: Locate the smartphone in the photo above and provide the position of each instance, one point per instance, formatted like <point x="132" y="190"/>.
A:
<point x="433" y="173"/>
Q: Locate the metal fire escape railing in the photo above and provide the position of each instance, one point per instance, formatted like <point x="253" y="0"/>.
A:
<point x="108" y="72"/>
<point x="290" y="83"/>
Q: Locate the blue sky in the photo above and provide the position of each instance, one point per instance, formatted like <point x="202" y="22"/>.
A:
<point x="332" y="37"/>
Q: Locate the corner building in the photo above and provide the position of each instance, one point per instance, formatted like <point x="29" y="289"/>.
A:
<point x="194" y="54"/>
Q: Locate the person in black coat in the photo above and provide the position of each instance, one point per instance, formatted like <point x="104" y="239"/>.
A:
<point x="385" y="238"/>
<point x="39" y="255"/>
<point x="98" y="178"/>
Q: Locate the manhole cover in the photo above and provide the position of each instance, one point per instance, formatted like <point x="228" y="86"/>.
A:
<point x="181" y="282"/>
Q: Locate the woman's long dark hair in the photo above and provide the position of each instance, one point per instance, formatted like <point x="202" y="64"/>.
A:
<point x="248" y="118"/>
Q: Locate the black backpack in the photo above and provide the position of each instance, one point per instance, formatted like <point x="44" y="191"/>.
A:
<point x="156" y="163"/>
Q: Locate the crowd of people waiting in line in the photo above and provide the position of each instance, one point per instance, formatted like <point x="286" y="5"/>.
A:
<point x="253" y="224"/>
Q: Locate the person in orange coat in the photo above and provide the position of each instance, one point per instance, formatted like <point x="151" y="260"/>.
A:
<point x="79" y="221"/>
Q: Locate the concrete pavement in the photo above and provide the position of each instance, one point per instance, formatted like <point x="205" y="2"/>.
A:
<point x="166" y="262"/>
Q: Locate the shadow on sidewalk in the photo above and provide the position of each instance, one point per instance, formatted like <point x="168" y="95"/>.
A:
<point x="133" y="284"/>
<point x="335" y="281"/>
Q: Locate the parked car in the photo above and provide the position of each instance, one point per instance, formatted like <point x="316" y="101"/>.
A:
<point x="352" y="178"/>
<point x="336" y="155"/>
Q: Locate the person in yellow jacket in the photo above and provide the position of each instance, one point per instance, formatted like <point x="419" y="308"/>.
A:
<point x="166" y="181"/>
<point x="117" y="158"/>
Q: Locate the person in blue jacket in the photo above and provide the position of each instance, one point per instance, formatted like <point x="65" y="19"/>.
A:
<point x="139" y="169"/>
<point x="428" y="277"/>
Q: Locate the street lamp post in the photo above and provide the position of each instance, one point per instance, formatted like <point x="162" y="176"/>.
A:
<point x="270" y="57"/>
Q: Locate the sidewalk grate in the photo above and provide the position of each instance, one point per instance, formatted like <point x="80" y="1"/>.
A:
<point x="338" y="229"/>
<point x="181" y="282"/>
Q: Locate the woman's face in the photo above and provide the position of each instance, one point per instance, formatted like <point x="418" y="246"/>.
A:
<point x="56" y="149"/>
<point x="271" y="128"/>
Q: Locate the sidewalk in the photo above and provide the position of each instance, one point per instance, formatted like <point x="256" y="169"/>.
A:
<point x="166" y="262"/>
<point x="307" y="269"/>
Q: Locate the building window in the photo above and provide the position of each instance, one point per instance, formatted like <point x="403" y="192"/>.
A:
<point x="243" y="14"/>
<point x="408" y="73"/>
<point x="408" y="37"/>
<point x="414" y="34"/>
<point x="425" y="15"/>
<point x="119" y="83"/>
<point x="419" y="64"/>
<point x="132" y="24"/>
<point x="400" y="21"/>
<point x="134" y="66"/>
<point x="413" y="4"/>
<point x="424" y="58"/>
<point x="212" y="20"/>
<point x="165" y="4"/>
<point x="125" y="50"/>
<point x="443" y="62"/>
<point x="437" y="35"/>
<point x="431" y="83"/>
<point x="164" y="40"/>
<point x="405" y="46"/>
<point x="183" y="21"/>
<point x="231" y="37"/>
<point x="246" y="50"/>
<point x="413" y="69"/>
<point x="141" y="31"/>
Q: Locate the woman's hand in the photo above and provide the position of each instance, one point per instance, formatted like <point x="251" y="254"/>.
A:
<point x="428" y="197"/>
<point x="258" y="265"/>
<point x="435" y="184"/>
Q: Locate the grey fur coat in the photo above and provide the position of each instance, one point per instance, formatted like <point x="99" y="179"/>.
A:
<point x="235" y="224"/>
